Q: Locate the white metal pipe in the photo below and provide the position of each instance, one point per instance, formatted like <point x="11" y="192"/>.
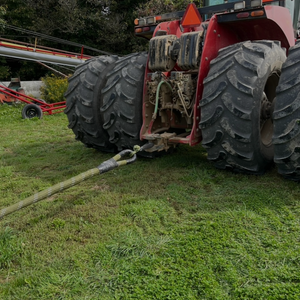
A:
<point x="53" y="59"/>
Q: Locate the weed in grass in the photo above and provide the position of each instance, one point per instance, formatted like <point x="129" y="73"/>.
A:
<point x="10" y="247"/>
<point x="58" y="223"/>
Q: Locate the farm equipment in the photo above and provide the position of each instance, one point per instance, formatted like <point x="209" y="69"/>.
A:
<point x="226" y="75"/>
<point x="13" y="85"/>
<point x="34" y="107"/>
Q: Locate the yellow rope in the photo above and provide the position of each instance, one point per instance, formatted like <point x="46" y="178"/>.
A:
<point x="106" y="166"/>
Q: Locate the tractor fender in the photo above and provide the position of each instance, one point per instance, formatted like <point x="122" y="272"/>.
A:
<point x="222" y="32"/>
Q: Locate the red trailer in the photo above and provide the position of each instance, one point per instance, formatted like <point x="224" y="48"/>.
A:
<point x="34" y="107"/>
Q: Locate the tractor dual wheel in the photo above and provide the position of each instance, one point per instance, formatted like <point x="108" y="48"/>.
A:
<point x="84" y="99"/>
<point x="286" y="117"/>
<point x="237" y="105"/>
<point x="123" y="100"/>
<point x="30" y="111"/>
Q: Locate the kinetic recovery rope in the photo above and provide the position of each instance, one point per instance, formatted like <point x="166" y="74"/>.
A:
<point x="106" y="166"/>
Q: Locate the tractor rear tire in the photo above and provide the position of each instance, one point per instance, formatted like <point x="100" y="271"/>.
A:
<point x="236" y="106"/>
<point x="286" y="117"/>
<point x="83" y="102"/>
<point x="123" y="100"/>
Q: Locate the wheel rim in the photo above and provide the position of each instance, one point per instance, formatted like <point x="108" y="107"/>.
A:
<point x="267" y="107"/>
<point x="31" y="113"/>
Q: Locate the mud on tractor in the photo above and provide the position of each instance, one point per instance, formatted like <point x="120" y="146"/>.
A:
<point x="225" y="75"/>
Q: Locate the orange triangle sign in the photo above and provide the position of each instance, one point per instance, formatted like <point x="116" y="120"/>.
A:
<point x="191" y="17"/>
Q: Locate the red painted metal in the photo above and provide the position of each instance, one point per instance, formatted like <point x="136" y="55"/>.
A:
<point x="274" y="25"/>
<point x="172" y="27"/>
<point x="9" y="41"/>
<point x="281" y="25"/>
<point x="41" y="51"/>
<point x="47" y="108"/>
<point x="81" y="54"/>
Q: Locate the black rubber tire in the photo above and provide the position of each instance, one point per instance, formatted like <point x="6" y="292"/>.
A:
<point x="41" y="100"/>
<point x="31" y="111"/>
<point x="286" y="117"/>
<point x="236" y="133"/>
<point x="123" y="100"/>
<point x="83" y="102"/>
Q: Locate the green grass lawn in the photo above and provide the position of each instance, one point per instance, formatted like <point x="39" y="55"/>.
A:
<point x="172" y="227"/>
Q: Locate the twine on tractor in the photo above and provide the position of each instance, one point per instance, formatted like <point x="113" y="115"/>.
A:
<point x="106" y="166"/>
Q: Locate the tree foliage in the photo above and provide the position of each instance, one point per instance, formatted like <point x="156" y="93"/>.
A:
<point x="2" y="14"/>
<point x="4" y="69"/>
<point x="103" y="24"/>
<point x="156" y="7"/>
<point x="106" y="25"/>
<point x="54" y="88"/>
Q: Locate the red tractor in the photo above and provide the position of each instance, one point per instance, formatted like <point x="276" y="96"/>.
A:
<point x="226" y="75"/>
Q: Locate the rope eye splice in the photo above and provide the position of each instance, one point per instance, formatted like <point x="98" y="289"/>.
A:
<point x="115" y="162"/>
<point x="106" y="166"/>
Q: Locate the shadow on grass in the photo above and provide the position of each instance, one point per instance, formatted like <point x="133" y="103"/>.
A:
<point x="185" y="179"/>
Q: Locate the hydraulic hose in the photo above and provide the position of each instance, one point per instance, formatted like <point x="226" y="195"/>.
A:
<point x="106" y="166"/>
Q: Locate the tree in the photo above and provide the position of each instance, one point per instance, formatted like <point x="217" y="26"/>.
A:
<point x="157" y="7"/>
<point x="106" y="25"/>
<point x="2" y="14"/>
<point x="103" y="24"/>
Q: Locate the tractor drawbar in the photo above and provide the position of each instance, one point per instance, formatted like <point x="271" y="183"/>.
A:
<point x="106" y="166"/>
